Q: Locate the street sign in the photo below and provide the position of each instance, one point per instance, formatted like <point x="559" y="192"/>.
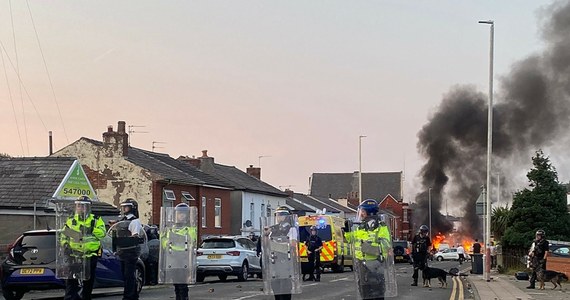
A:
<point x="75" y="184"/>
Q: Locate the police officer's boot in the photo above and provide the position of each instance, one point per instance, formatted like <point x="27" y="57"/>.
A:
<point x="415" y="283"/>
<point x="318" y="278"/>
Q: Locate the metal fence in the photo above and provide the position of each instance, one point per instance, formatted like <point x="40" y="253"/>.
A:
<point x="513" y="259"/>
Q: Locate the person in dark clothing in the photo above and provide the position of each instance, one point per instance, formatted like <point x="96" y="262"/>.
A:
<point x="538" y="255"/>
<point x="420" y="251"/>
<point x="314" y="245"/>
<point x="476" y="247"/>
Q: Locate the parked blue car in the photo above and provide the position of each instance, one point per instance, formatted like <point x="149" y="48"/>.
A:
<point x="30" y="265"/>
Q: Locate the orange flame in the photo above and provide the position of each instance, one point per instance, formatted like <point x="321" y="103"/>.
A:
<point x="438" y="239"/>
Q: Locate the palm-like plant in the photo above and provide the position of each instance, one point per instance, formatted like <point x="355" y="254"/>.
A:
<point x="499" y="219"/>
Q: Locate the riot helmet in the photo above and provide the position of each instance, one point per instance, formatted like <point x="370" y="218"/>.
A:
<point x="424" y="229"/>
<point x="313" y="229"/>
<point x="366" y="209"/>
<point x="83" y="207"/>
<point x="541" y="233"/>
<point x="182" y="214"/>
<point x="130" y="206"/>
<point x="281" y="213"/>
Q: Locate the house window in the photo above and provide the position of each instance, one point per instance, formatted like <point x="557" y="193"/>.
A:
<point x="218" y="213"/>
<point x="204" y="203"/>
<point x="405" y="215"/>
<point x="168" y="198"/>
<point x="187" y="196"/>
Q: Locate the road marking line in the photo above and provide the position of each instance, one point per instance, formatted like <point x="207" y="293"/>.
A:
<point x="340" y="279"/>
<point x="453" y="291"/>
<point x="460" y="288"/>
<point x="245" y="297"/>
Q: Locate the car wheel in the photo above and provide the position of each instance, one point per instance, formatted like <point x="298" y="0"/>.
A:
<point x="200" y="277"/>
<point x="139" y="277"/>
<point x="12" y="293"/>
<point x="244" y="272"/>
<point x="223" y="277"/>
<point x="440" y="258"/>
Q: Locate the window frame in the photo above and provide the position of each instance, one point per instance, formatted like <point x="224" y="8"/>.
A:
<point x="187" y="196"/>
<point x="166" y="200"/>
<point x="204" y="211"/>
<point x="217" y="213"/>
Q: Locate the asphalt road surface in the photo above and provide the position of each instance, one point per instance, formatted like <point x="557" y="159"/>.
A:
<point x="332" y="286"/>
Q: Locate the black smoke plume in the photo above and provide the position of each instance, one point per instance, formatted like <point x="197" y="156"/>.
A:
<point x="531" y="111"/>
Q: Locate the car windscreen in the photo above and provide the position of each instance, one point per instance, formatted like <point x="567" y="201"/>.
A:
<point x="324" y="233"/>
<point x="35" y="249"/>
<point x="218" y="244"/>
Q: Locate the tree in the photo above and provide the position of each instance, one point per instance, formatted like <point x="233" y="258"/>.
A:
<point x="4" y="155"/>
<point x="499" y="221"/>
<point x="543" y="207"/>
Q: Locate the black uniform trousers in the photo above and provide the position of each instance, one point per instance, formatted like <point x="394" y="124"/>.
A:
<point x="72" y="285"/>
<point x="129" y="266"/>
<point x="181" y="291"/>
<point x="315" y="259"/>
<point x="420" y="261"/>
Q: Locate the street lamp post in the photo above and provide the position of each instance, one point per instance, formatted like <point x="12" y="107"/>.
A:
<point x="429" y="200"/>
<point x="360" y="168"/>
<point x="487" y="273"/>
<point x="259" y="159"/>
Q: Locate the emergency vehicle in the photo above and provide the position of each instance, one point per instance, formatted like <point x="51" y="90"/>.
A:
<point x="336" y="253"/>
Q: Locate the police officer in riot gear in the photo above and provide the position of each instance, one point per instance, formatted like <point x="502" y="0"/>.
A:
<point x="421" y="244"/>
<point x="282" y="228"/>
<point x="314" y="245"/>
<point x="372" y="244"/>
<point x="177" y="246"/>
<point x="129" y="252"/>
<point x="80" y="238"/>
<point x="538" y="256"/>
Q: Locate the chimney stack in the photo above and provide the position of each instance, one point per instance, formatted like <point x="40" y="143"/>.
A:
<point x="196" y="162"/>
<point x="50" y="143"/>
<point x="206" y="162"/>
<point x="118" y="140"/>
<point x="254" y="171"/>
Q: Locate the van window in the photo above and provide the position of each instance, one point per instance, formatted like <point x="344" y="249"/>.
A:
<point x="325" y="233"/>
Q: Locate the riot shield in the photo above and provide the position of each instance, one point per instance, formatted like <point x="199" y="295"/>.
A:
<point x="126" y="244"/>
<point x="70" y="260"/>
<point x="178" y="243"/>
<point x="374" y="268"/>
<point x="280" y="260"/>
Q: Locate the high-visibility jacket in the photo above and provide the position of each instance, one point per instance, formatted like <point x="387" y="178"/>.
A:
<point x="85" y="242"/>
<point x="378" y="238"/>
<point x="179" y="234"/>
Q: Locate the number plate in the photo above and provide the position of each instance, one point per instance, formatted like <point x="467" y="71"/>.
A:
<point x="35" y="271"/>
<point x="214" y="256"/>
<point x="304" y="259"/>
<point x="399" y="257"/>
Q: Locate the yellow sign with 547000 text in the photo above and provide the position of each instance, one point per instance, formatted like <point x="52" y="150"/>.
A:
<point x="74" y="184"/>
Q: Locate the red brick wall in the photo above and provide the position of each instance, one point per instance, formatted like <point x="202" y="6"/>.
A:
<point x="197" y="192"/>
<point x="390" y="204"/>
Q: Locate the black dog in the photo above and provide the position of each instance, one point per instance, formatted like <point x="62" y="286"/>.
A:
<point x="552" y="276"/>
<point x="441" y="275"/>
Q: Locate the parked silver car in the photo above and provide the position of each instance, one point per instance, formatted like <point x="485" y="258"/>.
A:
<point x="227" y="255"/>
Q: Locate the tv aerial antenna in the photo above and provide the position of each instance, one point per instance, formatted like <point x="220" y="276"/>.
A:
<point x="154" y="143"/>
<point x="133" y="130"/>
